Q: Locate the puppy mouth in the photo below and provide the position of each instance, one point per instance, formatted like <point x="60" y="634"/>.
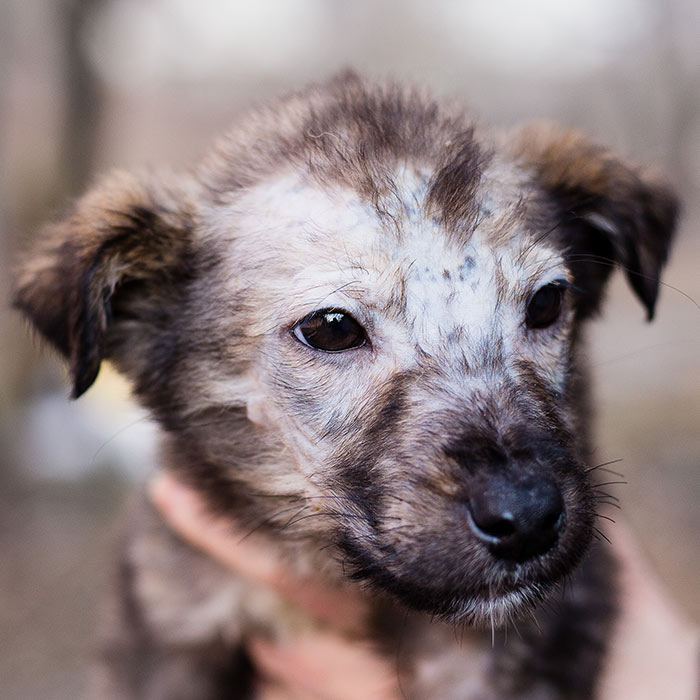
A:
<point x="481" y="607"/>
<point x="496" y="610"/>
<point x="466" y="585"/>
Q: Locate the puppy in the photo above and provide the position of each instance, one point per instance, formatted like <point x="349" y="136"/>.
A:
<point x="359" y="325"/>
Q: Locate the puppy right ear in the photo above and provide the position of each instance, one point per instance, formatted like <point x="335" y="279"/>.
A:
<point x="614" y="213"/>
<point x="125" y="230"/>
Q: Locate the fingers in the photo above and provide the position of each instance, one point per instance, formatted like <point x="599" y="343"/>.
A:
<point x="252" y="557"/>
<point x="186" y="514"/>
<point x="321" y="665"/>
<point x="324" y="665"/>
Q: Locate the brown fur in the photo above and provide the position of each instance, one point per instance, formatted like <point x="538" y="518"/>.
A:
<point x="193" y="286"/>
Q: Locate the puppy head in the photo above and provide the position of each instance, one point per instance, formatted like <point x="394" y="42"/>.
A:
<point x="360" y="304"/>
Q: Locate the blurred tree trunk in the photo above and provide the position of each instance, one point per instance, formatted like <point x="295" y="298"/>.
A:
<point x="83" y="99"/>
<point x="9" y="343"/>
<point x="75" y="156"/>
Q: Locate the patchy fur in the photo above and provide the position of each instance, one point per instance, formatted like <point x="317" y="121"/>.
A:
<point x="443" y="454"/>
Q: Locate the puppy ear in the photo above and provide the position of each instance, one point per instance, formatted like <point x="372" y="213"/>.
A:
<point x="125" y="231"/>
<point x="612" y="212"/>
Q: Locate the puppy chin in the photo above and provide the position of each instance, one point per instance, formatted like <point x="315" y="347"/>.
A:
<point x="496" y="610"/>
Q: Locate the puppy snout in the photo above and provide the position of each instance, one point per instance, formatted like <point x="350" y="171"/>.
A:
<point x="517" y="519"/>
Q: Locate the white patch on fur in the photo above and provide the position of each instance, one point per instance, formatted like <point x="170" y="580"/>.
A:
<point x="328" y="248"/>
<point x="298" y="248"/>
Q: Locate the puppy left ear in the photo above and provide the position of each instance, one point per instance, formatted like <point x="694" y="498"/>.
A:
<point x="110" y="259"/>
<point x="611" y="212"/>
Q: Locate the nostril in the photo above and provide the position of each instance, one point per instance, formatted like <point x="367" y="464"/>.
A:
<point x="489" y="520"/>
<point x="498" y="528"/>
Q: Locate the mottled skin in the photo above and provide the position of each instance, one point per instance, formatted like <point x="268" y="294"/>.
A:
<point x="383" y="204"/>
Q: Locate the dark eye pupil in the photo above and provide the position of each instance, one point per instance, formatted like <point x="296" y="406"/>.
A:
<point x="331" y="331"/>
<point x="545" y="306"/>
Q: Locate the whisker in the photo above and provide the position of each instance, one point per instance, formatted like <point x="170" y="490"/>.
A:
<point x="538" y="239"/>
<point x="294" y="521"/>
<point x="612" y="471"/>
<point x="607" y="495"/>
<point x="602" y="466"/>
<point x="603" y="502"/>
<point x="267" y="519"/>
<point x="602" y="534"/>
<point x="605" y="517"/>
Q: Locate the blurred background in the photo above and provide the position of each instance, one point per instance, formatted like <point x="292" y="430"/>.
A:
<point x="87" y="85"/>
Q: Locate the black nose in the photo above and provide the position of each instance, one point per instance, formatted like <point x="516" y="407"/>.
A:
<point x="518" y="518"/>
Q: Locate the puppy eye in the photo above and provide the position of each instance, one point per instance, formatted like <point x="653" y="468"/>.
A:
<point x="545" y="305"/>
<point x="331" y="330"/>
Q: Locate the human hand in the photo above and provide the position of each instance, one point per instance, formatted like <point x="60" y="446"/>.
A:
<point x="330" y="662"/>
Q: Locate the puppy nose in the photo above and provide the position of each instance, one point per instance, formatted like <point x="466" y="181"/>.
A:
<point x="518" y="519"/>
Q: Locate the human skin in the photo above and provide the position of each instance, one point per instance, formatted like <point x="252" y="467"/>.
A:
<point x="654" y="653"/>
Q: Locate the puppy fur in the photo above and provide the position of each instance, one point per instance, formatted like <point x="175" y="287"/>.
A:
<point x="375" y="463"/>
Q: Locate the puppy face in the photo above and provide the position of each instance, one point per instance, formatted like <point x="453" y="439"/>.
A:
<point x="363" y="310"/>
<point x="409" y="369"/>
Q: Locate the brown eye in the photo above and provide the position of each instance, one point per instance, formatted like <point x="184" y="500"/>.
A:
<point x="545" y="305"/>
<point x="331" y="330"/>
